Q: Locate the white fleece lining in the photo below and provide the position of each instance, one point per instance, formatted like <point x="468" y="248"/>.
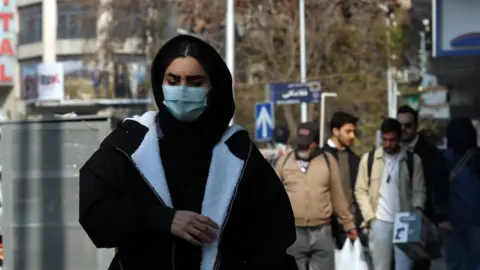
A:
<point x="224" y="173"/>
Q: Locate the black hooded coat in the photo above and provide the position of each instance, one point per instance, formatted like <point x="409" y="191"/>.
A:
<point x="153" y="165"/>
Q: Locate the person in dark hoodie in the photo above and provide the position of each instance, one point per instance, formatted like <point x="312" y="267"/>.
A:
<point x="343" y="128"/>
<point x="178" y="188"/>
<point x="457" y="196"/>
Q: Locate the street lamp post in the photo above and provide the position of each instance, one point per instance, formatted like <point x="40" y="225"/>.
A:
<point x="230" y="41"/>
<point x="303" y="57"/>
<point x="322" y="116"/>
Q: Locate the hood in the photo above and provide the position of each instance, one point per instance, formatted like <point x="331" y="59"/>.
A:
<point x="221" y="101"/>
<point x="461" y="134"/>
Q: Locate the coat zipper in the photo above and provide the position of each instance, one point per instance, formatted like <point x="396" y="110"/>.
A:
<point x="154" y="192"/>
<point x="217" y="261"/>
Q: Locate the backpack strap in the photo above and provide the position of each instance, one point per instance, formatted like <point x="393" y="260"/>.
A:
<point x="370" y="157"/>
<point x="410" y="163"/>
<point x="327" y="160"/>
<point x="285" y="162"/>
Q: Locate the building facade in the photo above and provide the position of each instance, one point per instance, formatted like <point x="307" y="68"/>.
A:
<point x="73" y="33"/>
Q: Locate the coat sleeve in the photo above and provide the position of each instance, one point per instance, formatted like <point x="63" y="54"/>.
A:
<point x="362" y="191"/>
<point x="272" y="224"/>
<point x="107" y="213"/>
<point x="419" y="194"/>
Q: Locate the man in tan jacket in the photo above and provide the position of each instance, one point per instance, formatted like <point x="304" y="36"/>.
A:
<point x="385" y="186"/>
<point x="313" y="183"/>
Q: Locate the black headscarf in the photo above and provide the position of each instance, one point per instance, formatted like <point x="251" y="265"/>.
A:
<point x="186" y="147"/>
<point x="210" y="126"/>
<point x="461" y="135"/>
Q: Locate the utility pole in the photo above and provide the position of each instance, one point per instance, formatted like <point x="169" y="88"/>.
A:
<point x="230" y="42"/>
<point x="392" y="88"/>
<point x="303" y="57"/>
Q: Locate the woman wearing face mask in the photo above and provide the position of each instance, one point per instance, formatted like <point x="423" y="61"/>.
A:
<point x="178" y="188"/>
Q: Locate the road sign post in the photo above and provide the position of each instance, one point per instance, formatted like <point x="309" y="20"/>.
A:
<point x="264" y="121"/>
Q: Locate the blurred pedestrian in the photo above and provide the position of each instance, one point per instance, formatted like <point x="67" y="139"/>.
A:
<point x="457" y="193"/>
<point x="313" y="183"/>
<point x="343" y="128"/>
<point x="414" y="142"/>
<point x="389" y="181"/>
<point x="280" y="143"/>
<point x="178" y="188"/>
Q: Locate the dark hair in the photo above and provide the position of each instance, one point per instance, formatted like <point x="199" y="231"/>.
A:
<point x="408" y="109"/>
<point x="461" y="134"/>
<point x="281" y="134"/>
<point x="186" y="48"/>
<point x="391" y="125"/>
<point x="339" y="119"/>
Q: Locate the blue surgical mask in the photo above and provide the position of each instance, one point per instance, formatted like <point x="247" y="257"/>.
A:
<point x="184" y="102"/>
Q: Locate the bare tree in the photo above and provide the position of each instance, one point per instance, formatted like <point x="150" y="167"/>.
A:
<point x="347" y="51"/>
<point x="347" y="48"/>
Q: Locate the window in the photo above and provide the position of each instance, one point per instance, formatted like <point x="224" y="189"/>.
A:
<point x="126" y="21"/>
<point x="76" y="21"/>
<point x="30" y="19"/>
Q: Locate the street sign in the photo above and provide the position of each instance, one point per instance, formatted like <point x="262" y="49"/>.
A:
<point x="264" y="121"/>
<point x="295" y="92"/>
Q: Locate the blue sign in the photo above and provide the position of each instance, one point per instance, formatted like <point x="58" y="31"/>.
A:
<point x="264" y="121"/>
<point x="295" y="92"/>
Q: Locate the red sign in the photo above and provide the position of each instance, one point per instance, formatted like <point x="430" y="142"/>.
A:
<point x="7" y="43"/>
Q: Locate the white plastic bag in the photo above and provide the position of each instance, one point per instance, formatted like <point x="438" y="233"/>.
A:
<point x="351" y="257"/>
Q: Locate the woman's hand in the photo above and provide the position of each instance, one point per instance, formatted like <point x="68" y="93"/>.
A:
<point x="193" y="227"/>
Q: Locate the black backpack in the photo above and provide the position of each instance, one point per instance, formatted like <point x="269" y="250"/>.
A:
<point x="410" y="161"/>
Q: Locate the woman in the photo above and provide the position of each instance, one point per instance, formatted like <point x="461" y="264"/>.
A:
<point x="179" y="188"/>
<point x="457" y="190"/>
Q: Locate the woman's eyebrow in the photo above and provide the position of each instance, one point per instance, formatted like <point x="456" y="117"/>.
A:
<point x="173" y="75"/>
<point x="195" y="77"/>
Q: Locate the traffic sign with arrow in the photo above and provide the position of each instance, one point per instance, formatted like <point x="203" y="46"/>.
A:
<point x="264" y="121"/>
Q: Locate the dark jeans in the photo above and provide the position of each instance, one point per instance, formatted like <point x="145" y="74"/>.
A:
<point x="462" y="248"/>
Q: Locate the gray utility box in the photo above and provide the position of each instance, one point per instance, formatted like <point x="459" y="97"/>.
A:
<point x="40" y="165"/>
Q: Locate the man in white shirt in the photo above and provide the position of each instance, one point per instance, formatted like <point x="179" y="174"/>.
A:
<point x="384" y="187"/>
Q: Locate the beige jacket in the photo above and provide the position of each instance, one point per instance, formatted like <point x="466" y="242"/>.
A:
<point x="412" y="191"/>
<point x="316" y="194"/>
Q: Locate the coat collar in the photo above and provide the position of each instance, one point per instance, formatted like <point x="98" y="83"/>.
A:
<point x="225" y="172"/>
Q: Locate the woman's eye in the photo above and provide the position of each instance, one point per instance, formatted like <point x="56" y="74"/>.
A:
<point x="172" y="82"/>
<point x="197" y="84"/>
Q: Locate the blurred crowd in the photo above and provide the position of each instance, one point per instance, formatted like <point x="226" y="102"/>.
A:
<point x="337" y="194"/>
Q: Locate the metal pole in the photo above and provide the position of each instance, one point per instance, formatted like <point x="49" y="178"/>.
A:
<point x="423" y="54"/>
<point x="230" y="41"/>
<point x="303" y="57"/>
<point x="390" y="96"/>
<point x="322" y="119"/>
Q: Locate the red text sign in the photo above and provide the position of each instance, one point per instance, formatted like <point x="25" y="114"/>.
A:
<point x="7" y="42"/>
